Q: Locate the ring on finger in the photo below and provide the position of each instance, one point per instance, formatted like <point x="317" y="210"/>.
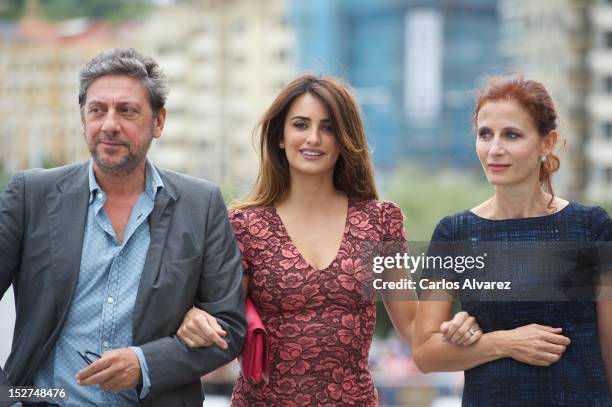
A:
<point x="472" y="332"/>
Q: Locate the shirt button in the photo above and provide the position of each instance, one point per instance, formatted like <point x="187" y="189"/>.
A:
<point x="109" y="300"/>
<point x="105" y="344"/>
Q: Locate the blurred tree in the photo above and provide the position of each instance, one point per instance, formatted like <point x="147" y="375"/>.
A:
<point x="10" y="9"/>
<point x="114" y="10"/>
<point x="425" y="198"/>
<point x="230" y="192"/>
<point x="4" y="178"/>
<point x="606" y="205"/>
<point x="3" y="182"/>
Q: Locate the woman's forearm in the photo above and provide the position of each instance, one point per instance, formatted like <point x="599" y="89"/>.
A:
<point x="609" y="370"/>
<point x="437" y="355"/>
<point x="604" y="324"/>
<point x="402" y="315"/>
<point x="606" y="353"/>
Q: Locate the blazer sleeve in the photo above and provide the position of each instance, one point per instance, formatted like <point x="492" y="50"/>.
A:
<point x="11" y="237"/>
<point x="219" y="294"/>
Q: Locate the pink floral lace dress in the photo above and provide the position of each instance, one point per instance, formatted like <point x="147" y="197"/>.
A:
<point x="320" y="322"/>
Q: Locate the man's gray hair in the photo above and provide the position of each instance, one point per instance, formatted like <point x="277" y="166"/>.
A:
<point x="126" y="61"/>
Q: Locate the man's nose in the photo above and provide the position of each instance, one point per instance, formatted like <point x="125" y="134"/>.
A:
<point x="111" y="123"/>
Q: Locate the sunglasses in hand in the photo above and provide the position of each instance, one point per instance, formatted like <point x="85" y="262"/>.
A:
<point x="89" y="357"/>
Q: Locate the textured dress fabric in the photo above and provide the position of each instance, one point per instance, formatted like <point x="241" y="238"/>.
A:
<point x="320" y="322"/>
<point x="579" y="377"/>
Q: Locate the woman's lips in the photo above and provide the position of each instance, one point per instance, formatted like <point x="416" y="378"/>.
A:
<point x="311" y="154"/>
<point x="498" y="167"/>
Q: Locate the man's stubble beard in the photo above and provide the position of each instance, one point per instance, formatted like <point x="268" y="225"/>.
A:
<point x="127" y="164"/>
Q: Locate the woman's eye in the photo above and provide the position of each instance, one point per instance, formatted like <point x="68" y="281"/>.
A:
<point x="300" y="125"/>
<point x="327" y="128"/>
<point x="512" y="135"/>
<point x="484" y="134"/>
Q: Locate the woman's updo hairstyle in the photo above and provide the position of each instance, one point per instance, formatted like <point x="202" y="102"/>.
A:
<point x="536" y="100"/>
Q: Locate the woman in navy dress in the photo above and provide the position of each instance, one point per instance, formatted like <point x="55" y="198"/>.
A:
<point x="538" y="352"/>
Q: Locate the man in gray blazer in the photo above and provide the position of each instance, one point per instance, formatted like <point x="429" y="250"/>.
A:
<point x="107" y="256"/>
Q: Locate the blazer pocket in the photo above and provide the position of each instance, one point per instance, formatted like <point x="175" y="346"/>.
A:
<point x="180" y="273"/>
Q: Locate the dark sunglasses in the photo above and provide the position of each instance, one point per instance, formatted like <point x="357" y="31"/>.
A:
<point x="89" y="357"/>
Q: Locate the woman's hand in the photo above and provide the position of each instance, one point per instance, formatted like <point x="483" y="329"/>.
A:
<point x="461" y="330"/>
<point x="535" y="344"/>
<point x="200" y="329"/>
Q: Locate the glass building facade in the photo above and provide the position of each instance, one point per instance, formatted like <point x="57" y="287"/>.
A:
<point x="413" y="65"/>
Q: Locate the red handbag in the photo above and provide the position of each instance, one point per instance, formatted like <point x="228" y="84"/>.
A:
<point x="254" y="356"/>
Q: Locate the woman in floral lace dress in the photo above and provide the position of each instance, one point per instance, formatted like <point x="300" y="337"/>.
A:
<point x="304" y="233"/>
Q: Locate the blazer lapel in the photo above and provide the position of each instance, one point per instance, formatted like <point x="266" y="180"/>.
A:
<point x="67" y="212"/>
<point x="159" y="223"/>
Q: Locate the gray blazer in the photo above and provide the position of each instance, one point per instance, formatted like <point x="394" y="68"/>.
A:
<point x="192" y="260"/>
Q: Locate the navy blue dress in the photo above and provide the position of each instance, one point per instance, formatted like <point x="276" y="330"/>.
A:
<point x="579" y="377"/>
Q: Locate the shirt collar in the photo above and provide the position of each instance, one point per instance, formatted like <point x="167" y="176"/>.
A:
<point x="153" y="182"/>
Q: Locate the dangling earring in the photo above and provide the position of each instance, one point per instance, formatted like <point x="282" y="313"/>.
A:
<point x="281" y="145"/>
<point x="543" y="158"/>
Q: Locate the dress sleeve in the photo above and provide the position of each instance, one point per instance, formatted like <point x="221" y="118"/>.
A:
<point x="440" y="249"/>
<point x="239" y="221"/>
<point x="601" y="229"/>
<point x="601" y="224"/>
<point x="393" y="241"/>
<point x="392" y="220"/>
<point x="443" y="231"/>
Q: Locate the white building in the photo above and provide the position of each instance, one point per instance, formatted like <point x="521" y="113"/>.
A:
<point x="599" y="104"/>
<point x="225" y="61"/>
<point x="548" y="40"/>
<point x="39" y="115"/>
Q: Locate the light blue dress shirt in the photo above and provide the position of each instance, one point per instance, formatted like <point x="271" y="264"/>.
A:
<point x="101" y="312"/>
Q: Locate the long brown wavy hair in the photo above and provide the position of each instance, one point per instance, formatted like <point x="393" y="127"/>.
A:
<point x="353" y="172"/>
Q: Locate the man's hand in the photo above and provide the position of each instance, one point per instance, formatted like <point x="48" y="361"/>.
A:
<point x="200" y="329"/>
<point x="117" y="370"/>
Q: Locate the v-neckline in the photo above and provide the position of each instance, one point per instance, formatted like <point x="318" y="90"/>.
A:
<point x="297" y="250"/>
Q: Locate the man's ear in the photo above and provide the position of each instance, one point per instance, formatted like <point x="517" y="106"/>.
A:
<point x="159" y="121"/>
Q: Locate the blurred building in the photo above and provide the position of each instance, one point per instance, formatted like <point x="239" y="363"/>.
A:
<point x="548" y="41"/>
<point x="567" y="45"/>
<point x="39" y="115"/>
<point x="226" y="60"/>
<point x="412" y="63"/>
<point x="599" y="104"/>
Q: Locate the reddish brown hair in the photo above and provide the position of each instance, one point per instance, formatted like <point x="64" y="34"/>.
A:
<point x="536" y="100"/>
